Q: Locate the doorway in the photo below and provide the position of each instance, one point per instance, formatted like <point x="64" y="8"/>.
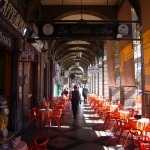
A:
<point x="1" y="74"/>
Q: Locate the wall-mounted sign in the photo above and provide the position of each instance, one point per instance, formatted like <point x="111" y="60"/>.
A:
<point x="95" y="29"/>
<point x="28" y="56"/>
<point x="94" y="70"/>
<point x="5" y="40"/>
<point x="12" y="15"/>
<point x="56" y="70"/>
<point x="62" y="72"/>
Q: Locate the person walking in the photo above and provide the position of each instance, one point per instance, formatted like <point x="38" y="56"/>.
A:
<point x="75" y="99"/>
<point x="84" y="94"/>
<point x="80" y="91"/>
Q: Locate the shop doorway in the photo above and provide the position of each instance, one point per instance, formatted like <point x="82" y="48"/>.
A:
<point x="5" y="78"/>
<point x="5" y="74"/>
<point x="1" y="74"/>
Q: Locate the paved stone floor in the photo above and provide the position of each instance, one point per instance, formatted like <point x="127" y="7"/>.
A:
<point x="83" y="133"/>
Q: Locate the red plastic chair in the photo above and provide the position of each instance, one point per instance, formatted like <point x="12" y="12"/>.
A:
<point x="40" y="143"/>
<point x="136" y="133"/>
<point x="110" y="117"/>
<point x="144" y="142"/>
<point x="57" y="117"/>
<point x="125" y="127"/>
<point x="146" y="130"/>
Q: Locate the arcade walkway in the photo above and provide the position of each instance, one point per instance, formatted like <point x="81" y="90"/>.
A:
<point x="83" y="133"/>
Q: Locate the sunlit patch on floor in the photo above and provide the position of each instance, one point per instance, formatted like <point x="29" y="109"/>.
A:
<point x="104" y="133"/>
<point x="87" y="128"/>
<point x="113" y="147"/>
<point x="87" y="120"/>
<point x="88" y="110"/>
<point x="85" y="107"/>
<point x="53" y="126"/>
<point x="90" y="115"/>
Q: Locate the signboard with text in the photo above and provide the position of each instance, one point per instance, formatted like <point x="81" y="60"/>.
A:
<point x="28" y="56"/>
<point x="94" y="70"/>
<point x="111" y="30"/>
<point x="10" y="12"/>
<point x="5" y="39"/>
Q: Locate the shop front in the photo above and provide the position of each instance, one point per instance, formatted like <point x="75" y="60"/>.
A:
<point x="12" y="27"/>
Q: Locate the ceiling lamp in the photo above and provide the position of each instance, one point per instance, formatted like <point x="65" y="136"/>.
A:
<point x="79" y="54"/>
<point x="77" y="64"/>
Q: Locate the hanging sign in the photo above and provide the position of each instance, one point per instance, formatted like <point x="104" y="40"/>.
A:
<point x="94" y="70"/>
<point x="59" y="30"/>
<point x="95" y="29"/>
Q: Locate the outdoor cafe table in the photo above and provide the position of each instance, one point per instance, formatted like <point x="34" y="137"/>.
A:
<point x="110" y="107"/>
<point x="124" y="114"/>
<point x="45" y="113"/>
<point x="113" y="108"/>
<point x="139" y="123"/>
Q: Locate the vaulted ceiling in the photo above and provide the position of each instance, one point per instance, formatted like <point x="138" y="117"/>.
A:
<point x="65" y="50"/>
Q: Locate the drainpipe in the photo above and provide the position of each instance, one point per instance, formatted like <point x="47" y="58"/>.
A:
<point x="23" y="77"/>
<point x="142" y="79"/>
<point x="98" y="84"/>
<point x="103" y="77"/>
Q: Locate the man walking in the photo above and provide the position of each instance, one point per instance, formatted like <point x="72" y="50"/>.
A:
<point x="84" y="94"/>
<point x="75" y="99"/>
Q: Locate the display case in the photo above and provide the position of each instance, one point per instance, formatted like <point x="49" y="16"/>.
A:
<point x="4" y="111"/>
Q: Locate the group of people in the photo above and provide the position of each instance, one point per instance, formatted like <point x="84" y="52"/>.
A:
<point x="75" y="97"/>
